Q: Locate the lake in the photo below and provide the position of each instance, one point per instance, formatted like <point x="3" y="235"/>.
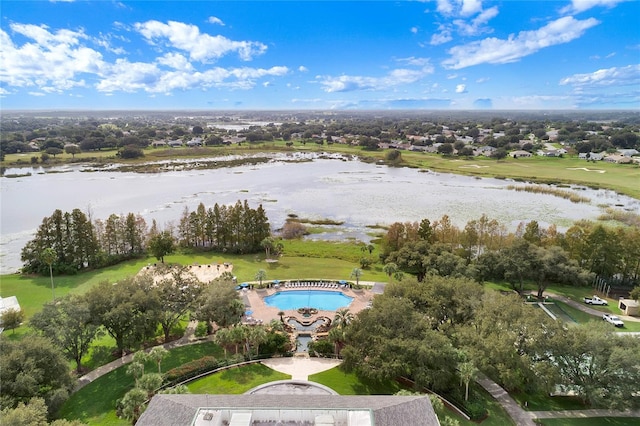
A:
<point x="330" y="186"/>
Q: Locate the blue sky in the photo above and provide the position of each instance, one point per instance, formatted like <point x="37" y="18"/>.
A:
<point x="439" y="54"/>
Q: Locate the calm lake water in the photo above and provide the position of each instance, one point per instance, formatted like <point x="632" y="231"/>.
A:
<point x="346" y="190"/>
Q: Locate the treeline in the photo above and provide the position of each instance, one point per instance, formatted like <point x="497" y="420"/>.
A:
<point x="442" y="332"/>
<point x="80" y="243"/>
<point x="484" y="250"/>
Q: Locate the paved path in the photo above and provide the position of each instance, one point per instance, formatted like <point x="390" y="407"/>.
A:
<point x="301" y="367"/>
<point x="588" y="309"/>
<point x="187" y="339"/>
<point x="517" y="413"/>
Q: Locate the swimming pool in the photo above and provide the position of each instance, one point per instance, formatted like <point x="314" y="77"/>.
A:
<point x="319" y="299"/>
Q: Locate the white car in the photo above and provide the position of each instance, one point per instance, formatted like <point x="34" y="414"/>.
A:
<point x="595" y="300"/>
<point x="612" y="319"/>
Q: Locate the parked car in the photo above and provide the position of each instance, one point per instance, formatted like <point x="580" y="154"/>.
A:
<point x="612" y="319"/>
<point x="595" y="300"/>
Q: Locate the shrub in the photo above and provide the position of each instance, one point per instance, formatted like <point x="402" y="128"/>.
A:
<point x="192" y="369"/>
<point x="476" y="410"/>
<point x="323" y="347"/>
<point x="201" y="329"/>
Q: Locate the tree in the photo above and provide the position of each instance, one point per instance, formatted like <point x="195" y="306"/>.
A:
<point x="219" y="303"/>
<point x="467" y="373"/>
<point x="150" y="383"/>
<point x="161" y="245"/>
<point x="132" y="404"/>
<point x="34" y="413"/>
<point x="390" y="269"/>
<point x="49" y="256"/>
<point x="599" y="365"/>
<point x="135" y="369"/>
<point x="499" y="154"/>
<point x="11" y="319"/>
<point x="356" y="273"/>
<point x="391" y="340"/>
<point x="445" y="149"/>
<point x="33" y="367"/>
<point x="73" y="150"/>
<point x="157" y="354"/>
<point x="635" y="293"/>
<point x="130" y="152"/>
<point x="261" y="275"/>
<point x="343" y="318"/>
<point x="54" y="151"/>
<point x="178" y="294"/>
<point x="129" y="310"/>
<point x="69" y="323"/>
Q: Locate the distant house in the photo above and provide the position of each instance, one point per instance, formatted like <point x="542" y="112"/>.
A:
<point x="485" y="150"/>
<point x="195" y="142"/>
<point x="628" y="152"/>
<point x="520" y="154"/>
<point x="174" y="143"/>
<point x="618" y="159"/>
<point x="590" y="156"/>
<point x="158" y="143"/>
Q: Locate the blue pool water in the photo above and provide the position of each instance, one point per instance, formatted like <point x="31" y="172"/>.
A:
<point x="319" y="299"/>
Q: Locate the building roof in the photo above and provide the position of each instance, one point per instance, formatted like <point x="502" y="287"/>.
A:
<point x="176" y="410"/>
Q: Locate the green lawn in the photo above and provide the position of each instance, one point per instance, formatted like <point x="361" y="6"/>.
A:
<point x="236" y="380"/>
<point x="94" y="404"/>
<point x="544" y="402"/>
<point x="350" y="384"/>
<point x="592" y="421"/>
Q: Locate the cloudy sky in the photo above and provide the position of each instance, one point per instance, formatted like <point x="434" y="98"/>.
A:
<point x="439" y="54"/>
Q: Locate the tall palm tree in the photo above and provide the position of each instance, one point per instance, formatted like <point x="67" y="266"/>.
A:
<point x="257" y="336"/>
<point x="224" y="338"/>
<point x="356" y="273"/>
<point x="343" y="318"/>
<point x="467" y="372"/>
<point x="390" y="269"/>
<point x="261" y="275"/>
<point x="49" y="256"/>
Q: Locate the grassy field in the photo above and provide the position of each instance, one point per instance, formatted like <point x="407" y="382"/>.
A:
<point x="95" y="403"/>
<point x="236" y="380"/>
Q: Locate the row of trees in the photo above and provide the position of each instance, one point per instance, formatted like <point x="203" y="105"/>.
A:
<point x="440" y="331"/>
<point x="483" y="249"/>
<point x="80" y="243"/>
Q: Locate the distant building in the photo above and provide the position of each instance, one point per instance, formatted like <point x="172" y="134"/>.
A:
<point x="520" y="154"/>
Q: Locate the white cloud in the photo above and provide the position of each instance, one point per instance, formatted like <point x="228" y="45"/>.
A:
<point x="302" y="68"/>
<point x="499" y="51"/>
<point x="442" y="37"/>
<point x="138" y="76"/>
<point x="477" y="24"/>
<point x="215" y="20"/>
<point x="470" y="7"/>
<point x="445" y="7"/>
<point x="201" y="47"/>
<point x="414" y="30"/>
<point x="175" y="61"/>
<point x="461" y="88"/>
<point x="51" y="59"/>
<point x="425" y="63"/>
<point x="482" y="80"/>
<point x="616" y="76"/>
<point x="397" y="77"/>
<point x="578" y="6"/>
<point x="37" y="94"/>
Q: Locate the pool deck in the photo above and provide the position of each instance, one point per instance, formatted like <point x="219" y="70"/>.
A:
<point x="263" y="313"/>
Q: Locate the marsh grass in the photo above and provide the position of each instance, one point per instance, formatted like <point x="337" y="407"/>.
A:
<point x="537" y="189"/>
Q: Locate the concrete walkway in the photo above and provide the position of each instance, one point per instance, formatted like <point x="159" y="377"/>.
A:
<point x="566" y="414"/>
<point x="187" y="339"/>
<point x="300" y="368"/>
<point x="517" y="413"/>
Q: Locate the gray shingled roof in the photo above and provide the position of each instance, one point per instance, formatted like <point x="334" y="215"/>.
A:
<point x="177" y="410"/>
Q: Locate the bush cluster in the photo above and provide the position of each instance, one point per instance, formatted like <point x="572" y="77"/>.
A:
<point x="192" y="369"/>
